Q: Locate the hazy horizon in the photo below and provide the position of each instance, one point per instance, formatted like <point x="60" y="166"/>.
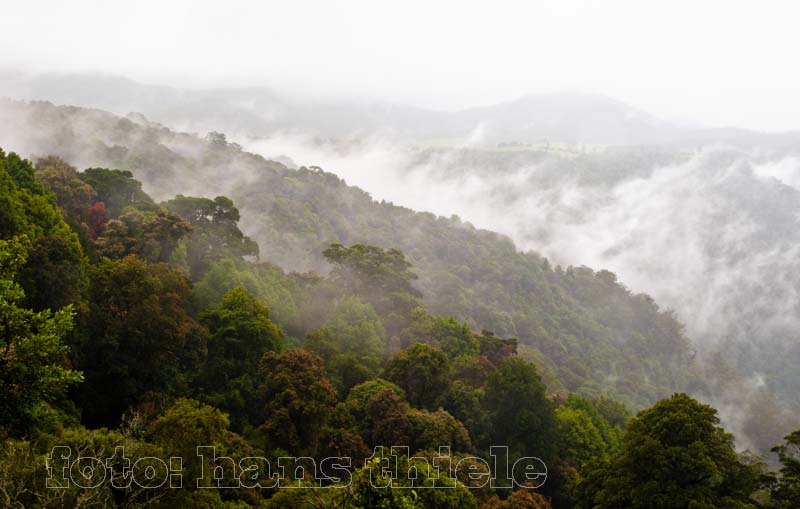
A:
<point x="714" y="64"/>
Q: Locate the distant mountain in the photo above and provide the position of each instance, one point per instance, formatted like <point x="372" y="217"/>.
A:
<point x="257" y="111"/>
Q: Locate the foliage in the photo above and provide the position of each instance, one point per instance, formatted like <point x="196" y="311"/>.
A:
<point x="520" y="415"/>
<point x="390" y="488"/>
<point x="137" y="337"/>
<point x="673" y="455"/>
<point x="785" y="492"/>
<point x="33" y="371"/>
<point x="241" y="332"/>
<point x="215" y="233"/>
<point x="298" y="398"/>
<point x="421" y="371"/>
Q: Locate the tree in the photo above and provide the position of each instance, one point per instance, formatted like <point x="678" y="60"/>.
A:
<point x="785" y="493"/>
<point x="421" y="371"/>
<point x="579" y="438"/>
<point x="152" y="236"/>
<point x="75" y="197"/>
<point x="352" y="342"/>
<point x="381" y="277"/>
<point x="446" y="333"/>
<point x="186" y="425"/>
<point x="53" y="274"/>
<point x="465" y="404"/>
<point x="520" y="499"/>
<point x="388" y="483"/>
<point x="137" y="337"/>
<point x="33" y="371"/>
<point x="370" y="269"/>
<point x="585" y="434"/>
<point x="117" y="189"/>
<point x="381" y="412"/>
<point x="674" y="454"/>
<point x="215" y="232"/>
<point x="520" y="415"/>
<point x="430" y="430"/>
<point x="241" y="332"/>
<point x="297" y="400"/>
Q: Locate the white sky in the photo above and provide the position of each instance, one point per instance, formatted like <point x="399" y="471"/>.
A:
<point x="712" y="62"/>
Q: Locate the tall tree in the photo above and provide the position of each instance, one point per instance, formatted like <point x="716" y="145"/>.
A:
<point x="422" y="372"/>
<point x="520" y="415"/>
<point x="117" y="189"/>
<point x="297" y="400"/>
<point x="786" y="491"/>
<point x="241" y="332"/>
<point x="381" y="277"/>
<point x="33" y="371"/>
<point x="215" y="232"/>
<point x="137" y="337"/>
<point x="674" y="454"/>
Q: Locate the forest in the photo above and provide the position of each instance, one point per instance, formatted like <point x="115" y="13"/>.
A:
<point x="139" y="327"/>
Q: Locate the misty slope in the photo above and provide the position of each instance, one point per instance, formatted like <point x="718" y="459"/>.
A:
<point x="582" y="326"/>
<point x="569" y="118"/>
<point x="710" y="232"/>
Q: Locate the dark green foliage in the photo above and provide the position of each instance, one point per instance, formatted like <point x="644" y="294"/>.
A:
<point x="117" y="189"/>
<point x="421" y="371"/>
<point x="241" y="332"/>
<point x="465" y="404"/>
<point x="674" y="454"/>
<point x="136" y="337"/>
<point x="297" y="400"/>
<point x="54" y="274"/>
<point x="152" y="236"/>
<point x="520" y="415"/>
<point x="370" y="270"/>
<point x="446" y="333"/>
<point x="33" y="372"/>
<point x="381" y="277"/>
<point x="371" y="487"/>
<point x="785" y="492"/>
<point x="263" y="280"/>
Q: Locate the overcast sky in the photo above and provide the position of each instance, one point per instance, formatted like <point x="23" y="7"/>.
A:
<point x="711" y="62"/>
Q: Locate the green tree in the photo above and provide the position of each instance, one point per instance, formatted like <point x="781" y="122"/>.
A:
<point x="215" y="232"/>
<point x="352" y="342"/>
<point x="381" y="277"/>
<point x="520" y="415"/>
<point x="152" y="236"/>
<point x="137" y="337"/>
<point x="33" y="372"/>
<point x="384" y="483"/>
<point x="446" y="333"/>
<point x="786" y="491"/>
<point x="53" y="275"/>
<point x="297" y="400"/>
<point x="188" y="424"/>
<point x="241" y="332"/>
<point x="674" y="454"/>
<point x="422" y="372"/>
<point x="117" y="189"/>
<point x="431" y="430"/>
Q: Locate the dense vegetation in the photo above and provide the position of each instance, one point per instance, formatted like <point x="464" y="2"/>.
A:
<point x="583" y="329"/>
<point x="160" y="327"/>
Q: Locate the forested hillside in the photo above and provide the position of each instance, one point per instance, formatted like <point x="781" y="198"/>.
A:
<point x="136" y="330"/>
<point x="582" y="328"/>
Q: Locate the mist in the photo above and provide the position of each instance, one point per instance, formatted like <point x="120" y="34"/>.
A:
<point x="711" y="233"/>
